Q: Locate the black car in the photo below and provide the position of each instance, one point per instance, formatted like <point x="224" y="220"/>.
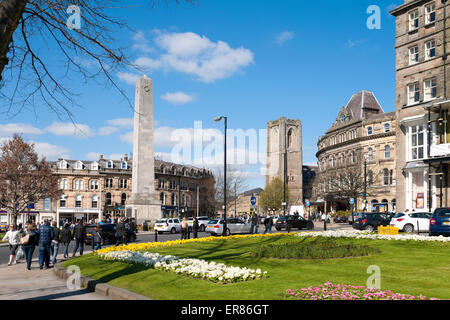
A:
<point x="108" y="233"/>
<point x="340" y="219"/>
<point x="354" y="217"/>
<point x="371" y="221"/>
<point x="295" y="222"/>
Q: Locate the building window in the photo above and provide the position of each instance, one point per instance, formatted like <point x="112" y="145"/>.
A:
<point x="162" y="198"/>
<point x="430" y="89"/>
<point x="386" y="177"/>
<point x="369" y="131"/>
<point x="110" y="164"/>
<point x="387" y="128"/>
<point x="123" y="199"/>
<point x="173" y="184"/>
<point x="430" y="50"/>
<point x="370" y="154"/>
<point x="109" y="183"/>
<point x="172" y="199"/>
<point x="413" y="93"/>
<point x="47" y="203"/>
<point x="413" y="55"/>
<point x="94" y="201"/>
<point x="63" y="184"/>
<point x="387" y="152"/>
<point x="94" y="185"/>
<point x="289" y="139"/>
<point x="417" y="142"/>
<point x="124" y="165"/>
<point x="370" y="178"/>
<point x="161" y="183"/>
<point x="413" y="20"/>
<point x="78" y="201"/>
<point x="94" y="166"/>
<point x="79" y="165"/>
<point x="62" y="201"/>
<point x="108" y="199"/>
<point x="78" y="185"/>
<point x="123" y="183"/>
<point x="430" y="13"/>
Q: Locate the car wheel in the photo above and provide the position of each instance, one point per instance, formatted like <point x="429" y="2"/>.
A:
<point x="202" y="228"/>
<point x="278" y="229"/>
<point x="369" y="228"/>
<point x="227" y="232"/>
<point x="173" y="231"/>
<point x="310" y="226"/>
<point x="408" y="228"/>
<point x="159" y="232"/>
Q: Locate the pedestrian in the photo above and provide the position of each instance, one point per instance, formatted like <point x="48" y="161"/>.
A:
<point x="254" y="221"/>
<point x="79" y="233"/>
<point x="66" y="236"/>
<point x="13" y="237"/>
<point x="46" y="235"/>
<point x="195" y="228"/>
<point x="184" y="226"/>
<point x="29" y="242"/>
<point x="121" y="233"/>
<point x="324" y="217"/>
<point x="55" y="242"/>
<point x="268" y="223"/>
<point x="97" y="238"/>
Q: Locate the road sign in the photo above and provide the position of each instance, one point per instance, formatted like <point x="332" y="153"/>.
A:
<point x="352" y="201"/>
<point x="253" y="200"/>
<point x="307" y="203"/>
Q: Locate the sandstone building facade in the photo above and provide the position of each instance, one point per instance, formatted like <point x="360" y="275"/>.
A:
<point x="94" y="189"/>
<point x="422" y="105"/>
<point x="362" y="135"/>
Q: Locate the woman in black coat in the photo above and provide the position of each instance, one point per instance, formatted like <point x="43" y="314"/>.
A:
<point x="33" y="241"/>
<point x="66" y="236"/>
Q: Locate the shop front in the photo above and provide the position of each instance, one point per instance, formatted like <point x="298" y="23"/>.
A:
<point x="72" y="215"/>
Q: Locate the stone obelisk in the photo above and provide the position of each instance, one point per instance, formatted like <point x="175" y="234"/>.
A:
<point x="143" y="202"/>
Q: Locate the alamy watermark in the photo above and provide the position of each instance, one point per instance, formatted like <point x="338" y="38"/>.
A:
<point x="374" y="20"/>
<point x="73" y="281"/>
<point x="74" y="20"/>
<point x="374" y="281"/>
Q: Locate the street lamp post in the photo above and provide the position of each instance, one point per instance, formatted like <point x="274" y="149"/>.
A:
<point x="365" y="182"/>
<point x="285" y="178"/>
<point x="224" y="176"/>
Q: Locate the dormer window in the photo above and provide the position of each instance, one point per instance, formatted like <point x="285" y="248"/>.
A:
<point x="94" y="166"/>
<point x="124" y="165"/>
<point x="63" y="164"/>
<point x="110" y="164"/>
<point x="79" y="165"/>
<point x="343" y="118"/>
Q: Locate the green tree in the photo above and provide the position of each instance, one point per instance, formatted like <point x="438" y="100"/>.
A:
<point x="272" y="196"/>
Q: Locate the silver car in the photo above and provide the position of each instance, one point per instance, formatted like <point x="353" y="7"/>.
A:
<point x="234" y="226"/>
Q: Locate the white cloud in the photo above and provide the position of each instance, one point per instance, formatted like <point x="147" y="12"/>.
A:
<point x="283" y="37"/>
<point x="122" y="122"/>
<point x="127" y="137"/>
<point x="195" y="55"/>
<point x="128" y="77"/>
<point x="19" y="128"/>
<point x="69" y="129"/>
<point x="107" y="131"/>
<point x="178" y="98"/>
<point x="51" y="152"/>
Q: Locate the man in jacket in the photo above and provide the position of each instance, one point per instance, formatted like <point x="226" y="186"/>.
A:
<point x="46" y="235"/>
<point x="55" y="242"/>
<point x="79" y="233"/>
<point x="268" y="223"/>
<point x="121" y="233"/>
<point x="195" y="228"/>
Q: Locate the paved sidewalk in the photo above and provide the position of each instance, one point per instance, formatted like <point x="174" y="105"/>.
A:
<point x="18" y="283"/>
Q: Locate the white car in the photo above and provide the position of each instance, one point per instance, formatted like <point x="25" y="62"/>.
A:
<point x="172" y="225"/>
<point x="410" y="221"/>
<point x="234" y="226"/>
<point x="202" y="223"/>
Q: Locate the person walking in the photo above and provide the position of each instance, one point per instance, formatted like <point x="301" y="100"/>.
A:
<point x="46" y="235"/>
<point x="195" y="228"/>
<point x="29" y="242"/>
<point x="79" y="233"/>
<point x="97" y="238"/>
<point x="55" y="242"/>
<point x="268" y="223"/>
<point x="254" y="221"/>
<point x="13" y="237"/>
<point x="66" y="236"/>
<point x="121" y="233"/>
<point x="184" y="226"/>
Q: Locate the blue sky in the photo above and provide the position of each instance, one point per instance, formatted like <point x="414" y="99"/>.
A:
<point x="253" y="61"/>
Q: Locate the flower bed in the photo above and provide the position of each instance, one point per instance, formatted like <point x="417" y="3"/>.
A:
<point x="331" y="291"/>
<point x="212" y="271"/>
<point x="368" y="235"/>
<point x="327" y="249"/>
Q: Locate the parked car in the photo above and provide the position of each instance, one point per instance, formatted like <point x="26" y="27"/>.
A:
<point x="234" y="226"/>
<point x="354" y="216"/>
<point x="202" y="223"/>
<point x="172" y="225"/>
<point x="371" y="221"/>
<point x="295" y="222"/>
<point x="340" y="219"/>
<point x="108" y="233"/>
<point x="410" y="221"/>
<point x="440" y="222"/>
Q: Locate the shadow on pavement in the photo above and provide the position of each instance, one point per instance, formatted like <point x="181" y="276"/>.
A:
<point x="60" y="295"/>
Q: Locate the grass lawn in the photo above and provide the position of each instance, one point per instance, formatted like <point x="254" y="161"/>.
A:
<point x="2" y="234"/>
<point x="406" y="267"/>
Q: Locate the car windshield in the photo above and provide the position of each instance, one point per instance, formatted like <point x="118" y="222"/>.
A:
<point x="442" y="213"/>
<point x="399" y="215"/>
<point x="161" y="221"/>
<point x="213" y="221"/>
